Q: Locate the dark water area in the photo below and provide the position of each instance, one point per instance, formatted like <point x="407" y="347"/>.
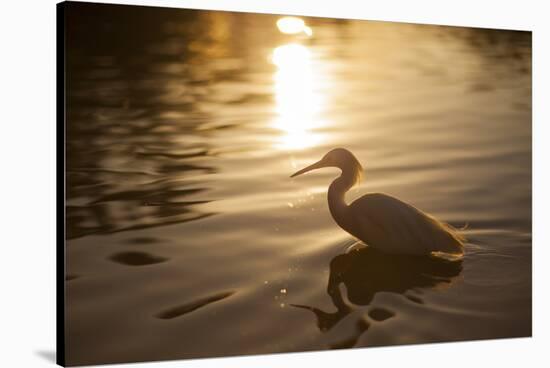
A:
<point x="186" y="237"/>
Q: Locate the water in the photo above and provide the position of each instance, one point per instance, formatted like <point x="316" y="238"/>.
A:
<point x="186" y="236"/>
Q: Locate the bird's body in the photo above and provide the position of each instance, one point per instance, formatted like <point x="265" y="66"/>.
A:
<point x="382" y="221"/>
<point x="400" y="227"/>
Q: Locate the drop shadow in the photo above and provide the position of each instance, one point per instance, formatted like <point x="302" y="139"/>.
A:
<point x="48" y="355"/>
<point x="366" y="272"/>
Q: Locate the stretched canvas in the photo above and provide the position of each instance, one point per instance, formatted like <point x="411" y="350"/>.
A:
<point x="407" y="219"/>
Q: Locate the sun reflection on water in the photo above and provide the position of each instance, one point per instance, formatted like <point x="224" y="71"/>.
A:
<point x="297" y="97"/>
<point x="293" y="25"/>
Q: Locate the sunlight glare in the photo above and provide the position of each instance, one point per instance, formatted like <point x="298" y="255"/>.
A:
<point x="293" y="25"/>
<point x="298" y="102"/>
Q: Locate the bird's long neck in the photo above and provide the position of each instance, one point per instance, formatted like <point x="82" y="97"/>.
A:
<point x="337" y="198"/>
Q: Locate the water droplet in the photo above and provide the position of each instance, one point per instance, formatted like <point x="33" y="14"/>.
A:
<point x="290" y="205"/>
<point x="283" y="291"/>
<point x="282" y="305"/>
<point x="266" y="282"/>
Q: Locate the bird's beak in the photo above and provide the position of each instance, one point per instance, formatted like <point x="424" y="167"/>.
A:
<point x="317" y="165"/>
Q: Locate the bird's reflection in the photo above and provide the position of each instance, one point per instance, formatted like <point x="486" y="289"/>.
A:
<point x="366" y="272"/>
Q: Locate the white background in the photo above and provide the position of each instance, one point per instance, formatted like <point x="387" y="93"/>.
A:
<point x="27" y="181"/>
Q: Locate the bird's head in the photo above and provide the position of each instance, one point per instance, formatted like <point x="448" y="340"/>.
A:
<point x="340" y="158"/>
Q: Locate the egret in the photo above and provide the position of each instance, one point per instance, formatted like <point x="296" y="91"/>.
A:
<point x="381" y="221"/>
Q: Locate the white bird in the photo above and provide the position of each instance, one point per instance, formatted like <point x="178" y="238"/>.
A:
<point x="382" y="221"/>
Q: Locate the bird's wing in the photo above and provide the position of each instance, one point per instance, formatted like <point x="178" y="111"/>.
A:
<point x="394" y="226"/>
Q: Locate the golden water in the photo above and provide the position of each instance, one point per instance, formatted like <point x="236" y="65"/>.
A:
<point x="186" y="236"/>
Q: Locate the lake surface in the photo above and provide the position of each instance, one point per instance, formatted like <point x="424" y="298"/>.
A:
<point x="186" y="237"/>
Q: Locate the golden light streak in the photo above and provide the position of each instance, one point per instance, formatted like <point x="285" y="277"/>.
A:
<point x="297" y="98"/>
<point x="293" y="25"/>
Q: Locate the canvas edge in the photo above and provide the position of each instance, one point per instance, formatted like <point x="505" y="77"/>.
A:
<point x="60" y="183"/>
